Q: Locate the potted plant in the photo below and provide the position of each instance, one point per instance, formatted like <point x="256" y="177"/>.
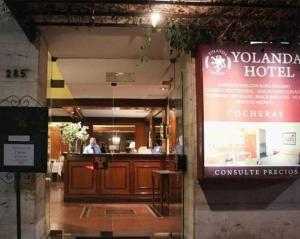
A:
<point x="72" y="132"/>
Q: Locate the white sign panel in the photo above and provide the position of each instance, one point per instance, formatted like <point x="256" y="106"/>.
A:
<point x="19" y="138"/>
<point x="18" y="155"/>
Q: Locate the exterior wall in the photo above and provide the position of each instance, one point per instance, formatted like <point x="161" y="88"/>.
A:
<point x="16" y="52"/>
<point x="189" y="124"/>
<point x="253" y="209"/>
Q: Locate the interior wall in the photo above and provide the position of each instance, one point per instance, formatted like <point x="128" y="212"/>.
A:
<point x="57" y="147"/>
<point x="248" y="209"/>
<point x="140" y="135"/>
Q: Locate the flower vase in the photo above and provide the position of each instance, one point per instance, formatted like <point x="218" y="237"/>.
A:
<point x="72" y="147"/>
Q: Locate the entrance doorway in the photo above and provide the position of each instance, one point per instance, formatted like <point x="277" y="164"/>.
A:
<point x="134" y="112"/>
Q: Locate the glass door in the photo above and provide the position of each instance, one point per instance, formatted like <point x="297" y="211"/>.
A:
<point x="134" y="117"/>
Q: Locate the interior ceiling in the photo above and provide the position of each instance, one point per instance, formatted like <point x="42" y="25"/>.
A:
<point x="120" y="113"/>
<point x="86" y="78"/>
<point x="85" y="56"/>
<point x="104" y="42"/>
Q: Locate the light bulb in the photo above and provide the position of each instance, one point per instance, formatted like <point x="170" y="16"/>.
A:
<point x="155" y="17"/>
<point x="116" y="140"/>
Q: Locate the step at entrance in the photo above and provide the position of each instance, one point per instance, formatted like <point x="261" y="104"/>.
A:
<point x="109" y="235"/>
<point x="116" y="237"/>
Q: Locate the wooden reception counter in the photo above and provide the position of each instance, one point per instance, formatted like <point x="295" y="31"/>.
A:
<point x="126" y="178"/>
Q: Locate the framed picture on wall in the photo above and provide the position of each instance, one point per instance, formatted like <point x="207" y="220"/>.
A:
<point x="289" y="138"/>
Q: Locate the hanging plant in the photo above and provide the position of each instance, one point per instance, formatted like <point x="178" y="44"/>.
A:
<point x="147" y="42"/>
<point x="181" y="37"/>
<point x="185" y="38"/>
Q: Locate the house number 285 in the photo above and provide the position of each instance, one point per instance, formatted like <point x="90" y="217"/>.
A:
<point x="16" y="73"/>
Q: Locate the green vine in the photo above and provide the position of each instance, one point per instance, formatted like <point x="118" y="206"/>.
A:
<point x="183" y="38"/>
<point x="147" y="42"/>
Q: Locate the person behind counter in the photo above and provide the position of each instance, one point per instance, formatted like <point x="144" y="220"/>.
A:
<point x="93" y="147"/>
<point x="103" y="148"/>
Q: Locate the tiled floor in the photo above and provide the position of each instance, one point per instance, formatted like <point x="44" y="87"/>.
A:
<point x="131" y="219"/>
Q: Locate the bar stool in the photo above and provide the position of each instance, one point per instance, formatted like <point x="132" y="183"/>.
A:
<point x="164" y="190"/>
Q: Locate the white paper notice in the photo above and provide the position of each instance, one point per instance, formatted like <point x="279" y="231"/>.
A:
<point x="19" y="138"/>
<point x="18" y="155"/>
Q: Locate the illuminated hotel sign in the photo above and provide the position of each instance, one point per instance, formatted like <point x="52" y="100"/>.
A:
<point x="251" y="110"/>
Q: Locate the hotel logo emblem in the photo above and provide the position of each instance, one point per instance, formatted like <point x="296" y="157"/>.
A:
<point x="217" y="62"/>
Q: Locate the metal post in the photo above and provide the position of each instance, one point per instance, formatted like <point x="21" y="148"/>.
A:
<point x="18" y="200"/>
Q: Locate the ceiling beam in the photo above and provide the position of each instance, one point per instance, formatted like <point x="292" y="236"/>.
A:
<point x="60" y="119"/>
<point x="25" y="22"/>
<point x="58" y="103"/>
<point x="99" y="120"/>
<point x="191" y="15"/>
<point x="242" y="4"/>
<point x="112" y="121"/>
<point x="80" y="24"/>
<point x="274" y="18"/>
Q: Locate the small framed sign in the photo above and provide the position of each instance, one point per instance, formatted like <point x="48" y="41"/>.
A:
<point x="23" y="139"/>
<point x="18" y="154"/>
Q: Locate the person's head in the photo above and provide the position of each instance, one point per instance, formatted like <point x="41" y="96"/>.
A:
<point x="93" y="141"/>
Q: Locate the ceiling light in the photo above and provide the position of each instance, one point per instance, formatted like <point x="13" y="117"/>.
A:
<point x="116" y="140"/>
<point x="155" y="17"/>
<point x="115" y="108"/>
<point x="163" y="88"/>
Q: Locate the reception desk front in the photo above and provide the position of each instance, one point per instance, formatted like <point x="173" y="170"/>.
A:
<point x="127" y="177"/>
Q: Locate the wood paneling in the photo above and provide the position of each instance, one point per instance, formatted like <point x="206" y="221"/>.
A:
<point x="116" y="179"/>
<point x="128" y="177"/>
<point x="140" y="135"/>
<point x="143" y="176"/>
<point x="81" y="180"/>
<point x="109" y="121"/>
<point x="57" y="147"/>
<point x="172" y="131"/>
